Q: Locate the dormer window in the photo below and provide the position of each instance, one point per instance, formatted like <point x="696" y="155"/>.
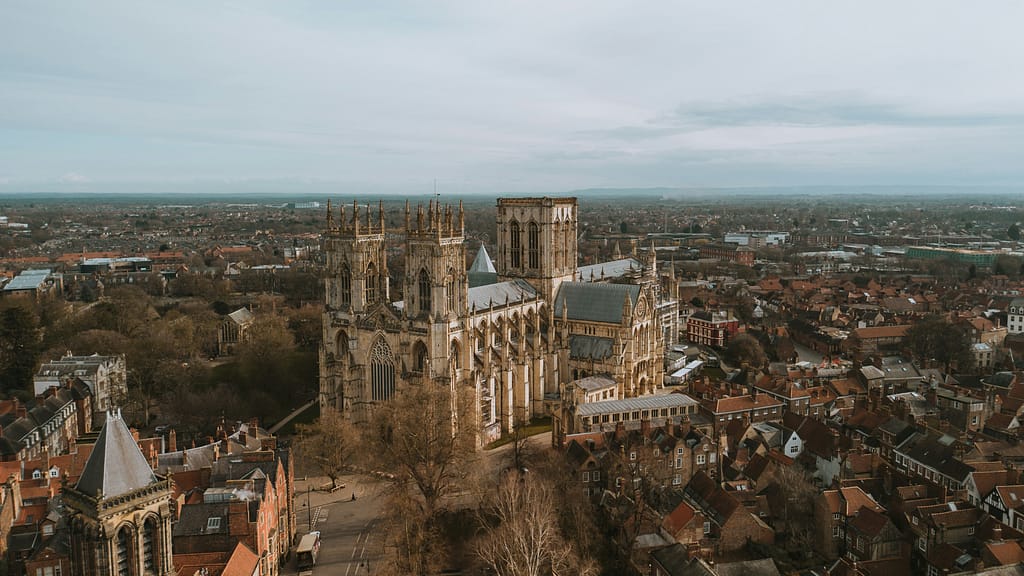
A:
<point x="213" y="523"/>
<point x="36" y="474"/>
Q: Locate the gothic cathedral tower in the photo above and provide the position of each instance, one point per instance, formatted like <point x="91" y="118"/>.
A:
<point x="119" y="514"/>
<point x="357" y="292"/>
<point x="436" y="289"/>
<point x="537" y="242"/>
<point x="371" y="345"/>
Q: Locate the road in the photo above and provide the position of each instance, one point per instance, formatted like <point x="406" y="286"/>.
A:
<point x="350" y="545"/>
<point x="351" y="539"/>
<point x="807" y="355"/>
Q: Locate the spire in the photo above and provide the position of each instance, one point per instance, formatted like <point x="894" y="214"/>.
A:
<point x="627" y="309"/>
<point x="462" y="219"/>
<point x="330" y="216"/>
<point x="116" y="466"/>
<point x="407" y="220"/>
<point x="482" y="262"/>
<point x="342" y="219"/>
<point x="355" y="216"/>
<point x="380" y="213"/>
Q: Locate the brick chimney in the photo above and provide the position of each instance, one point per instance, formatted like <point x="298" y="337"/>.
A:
<point x="172" y="441"/>
<point x="243" y="438"/>
<point x="135" y="435"/>
<point x="645" y="427"/>
<point x="19" y="409"/>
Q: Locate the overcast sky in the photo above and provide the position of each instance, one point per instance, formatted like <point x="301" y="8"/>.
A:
<point x="507" y="96"/>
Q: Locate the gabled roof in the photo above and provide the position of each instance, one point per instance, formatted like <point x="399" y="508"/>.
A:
<point x="242" y="316"/>
<point x="762" y="567"/>
<point x="678" y="518"/>
<point x="1012" y="496"/>
<point x="707" y="494"/>
<point x="869" y="522"/>
<point x="608" y="270"/>
<point x="594" y="302"/>
<point x="116" y="465"/>
<point x="499" y="294"/>
<point x="243" y="562"/>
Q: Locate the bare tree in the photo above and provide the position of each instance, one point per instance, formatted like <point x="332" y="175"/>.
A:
<point x="416" y="545"/>
<point x="798" y="492"/>
<point x="521" y="533"/>
<point x="426" y="439"/>
<point x="329" y="443"/>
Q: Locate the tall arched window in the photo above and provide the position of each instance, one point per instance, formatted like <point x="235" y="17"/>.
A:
<point x="371" y="284"/>
<point x="382" y="371"/>
<point x="124" y="552"/>
<point x="556" y="234"/>
<point x="515" y="235"/>
<point x="419" y="357"/>
<point x="424" y="290"/>
<point x="533" y="233"/>
<point x="345" y="285"/>
<point x="452" y="300"/>
<point x="150" y="544"/>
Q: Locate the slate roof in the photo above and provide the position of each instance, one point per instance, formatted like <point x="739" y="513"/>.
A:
<point x="709" y="496"/>
<point x="631" y="404"/>
<point x="591" y="383"/>
<point x="676" y="562"/>
<point x="582" y="347"/>
<point x="194" y="519"/>
<point x="116" y="465"/>
<point x="512" y="292"/>
<point x="608" y="270"/>
<point x="933" y="452"/>
<point x="594" y="302"/>
<point x="762" y="567"/>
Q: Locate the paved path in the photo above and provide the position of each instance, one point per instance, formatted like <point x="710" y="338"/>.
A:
<point x="350" y="542"/>
<point x="351" y="537"/>
<point x="296" y="412"/>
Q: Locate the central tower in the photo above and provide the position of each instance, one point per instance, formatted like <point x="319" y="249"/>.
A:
<point x="537" y="242"/>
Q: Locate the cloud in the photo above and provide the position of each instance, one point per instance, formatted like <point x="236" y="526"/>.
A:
<point x="816" y="111"/>
<point x="73" y="178"/>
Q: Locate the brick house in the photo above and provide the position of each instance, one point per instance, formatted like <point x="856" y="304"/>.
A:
<point x="871" y="535"/>
<point x="751" y="408"/>
<point x="711" y="328"/>
<point x="730" y="526"/>
<point x="728" y="252"/>
<point x="835" y="510"/>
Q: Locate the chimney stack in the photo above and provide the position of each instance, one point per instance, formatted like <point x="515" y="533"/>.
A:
<point x="172" y="441"/>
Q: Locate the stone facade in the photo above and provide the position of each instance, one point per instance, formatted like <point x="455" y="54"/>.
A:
<point x="509" y="345"/>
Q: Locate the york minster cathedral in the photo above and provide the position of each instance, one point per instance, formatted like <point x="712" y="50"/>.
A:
<point x="508" y="335"/>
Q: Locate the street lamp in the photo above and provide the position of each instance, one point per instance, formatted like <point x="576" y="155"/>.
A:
<point x="309" y="509"/>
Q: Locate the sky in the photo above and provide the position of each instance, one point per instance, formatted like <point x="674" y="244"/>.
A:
<point x="507" y="97"/>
